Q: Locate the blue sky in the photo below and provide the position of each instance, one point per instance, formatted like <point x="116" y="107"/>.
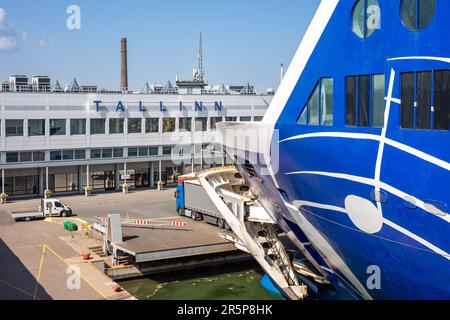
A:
<point x="244" y="40"/>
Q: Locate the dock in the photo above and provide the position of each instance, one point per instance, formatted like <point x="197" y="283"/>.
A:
<point x="148" y="250"/>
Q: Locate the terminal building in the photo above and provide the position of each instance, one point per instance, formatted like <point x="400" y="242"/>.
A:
<point x="64" y="139"/>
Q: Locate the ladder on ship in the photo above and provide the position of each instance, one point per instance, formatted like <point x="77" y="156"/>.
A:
<point x="277" y="253"/>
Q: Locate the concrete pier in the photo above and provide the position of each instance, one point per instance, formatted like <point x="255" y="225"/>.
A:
<point x="153" y="250"/>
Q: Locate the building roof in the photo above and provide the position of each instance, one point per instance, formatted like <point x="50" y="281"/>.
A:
<point x="74" y="86"/>
<point x="57" y="87"/>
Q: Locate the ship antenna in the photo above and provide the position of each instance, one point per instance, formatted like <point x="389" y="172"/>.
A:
<point x="200" y="59"/>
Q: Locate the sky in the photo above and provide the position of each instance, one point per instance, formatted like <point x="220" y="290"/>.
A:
<point x="243" y="40"/>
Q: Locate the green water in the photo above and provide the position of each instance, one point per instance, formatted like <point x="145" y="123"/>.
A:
<point x="224" y="283"/>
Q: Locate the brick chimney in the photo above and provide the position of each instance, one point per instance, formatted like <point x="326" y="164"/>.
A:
<point x="124" y="65"/>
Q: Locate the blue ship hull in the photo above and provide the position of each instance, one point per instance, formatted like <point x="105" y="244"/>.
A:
<point x="369" y="205"/>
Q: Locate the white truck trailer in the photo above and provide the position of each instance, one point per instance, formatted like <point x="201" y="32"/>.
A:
<point x="48" y="208"/>
<point x="193" y="202"/>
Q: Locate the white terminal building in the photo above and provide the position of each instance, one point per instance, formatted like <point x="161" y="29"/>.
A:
<point x="63" y="139"/>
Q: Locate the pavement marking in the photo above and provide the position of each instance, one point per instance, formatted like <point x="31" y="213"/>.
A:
<point x="17" y="288"/>
<point x="58" y="220"/>
<point x="85" y="280"/>
<point x="44" y="247"/>
<point x="24" y="247"/>
<point x="38" y="278"/>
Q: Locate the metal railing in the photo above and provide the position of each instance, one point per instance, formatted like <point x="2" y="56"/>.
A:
<point x="153" y="91"/>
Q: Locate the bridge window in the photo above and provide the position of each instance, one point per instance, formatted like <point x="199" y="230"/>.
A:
<point x="417" y="14"/>
<point x="366" y="18"/>
<point x="442" y="100"/>
<point x="319" y="108"/>
<point x="418" y="99"/>
<point x="365" y="101"/>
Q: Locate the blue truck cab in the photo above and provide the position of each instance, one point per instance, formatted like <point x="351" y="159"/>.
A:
<point x="179" y="193"/>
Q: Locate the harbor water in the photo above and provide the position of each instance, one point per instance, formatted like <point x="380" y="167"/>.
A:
<point x="219" y="283"/>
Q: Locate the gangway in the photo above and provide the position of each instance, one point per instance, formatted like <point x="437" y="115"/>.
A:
<point x="253" y="227"/>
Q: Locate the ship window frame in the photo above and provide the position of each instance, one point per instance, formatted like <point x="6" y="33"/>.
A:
<point x="434" y="117"/>
<point x="356" y="121"/>
<point x="434" y="122"/>
<point x="365" y="33"/>
<point x="316" y="97"/>
<point x="416" y="26"/>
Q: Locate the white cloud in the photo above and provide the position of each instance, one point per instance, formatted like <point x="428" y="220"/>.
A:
<point x="42" y="43"/>
<point x="2" y="14"/>
<point x="8" y="36"/>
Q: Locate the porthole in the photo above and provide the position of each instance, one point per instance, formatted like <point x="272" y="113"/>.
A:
<point x="366" y="18"/>
<point x="417" y="14"/>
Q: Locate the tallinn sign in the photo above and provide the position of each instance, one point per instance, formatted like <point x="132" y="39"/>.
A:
<point x="197" y="106"/>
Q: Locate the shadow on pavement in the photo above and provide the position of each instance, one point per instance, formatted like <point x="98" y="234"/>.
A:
<point x="16" y="281"/>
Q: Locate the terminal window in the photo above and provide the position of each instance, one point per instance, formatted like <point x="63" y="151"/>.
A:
<point x="116" y="126"/>
<point x="118" y="153"/>
<point x="56" y="155"/>
<point x="214" y="121"/>
<point x="107" y="153"/>
<point x="77" y="126"/>
<point x="135" y="125"/>
<point x="12" y="157"/>
<point x="58" y="127"/>
<point x="36" y="127"/>
<point x="97" y="126"/>
<point x="185" y="124"/>
<point x="132" y="152"/>
<point x="26" y="156"/>
<point x="167" y="150"/>
<point x="143" y="151"/>
<point x="168" y="125"/>
<point x="14" y="128"/>
<point x="96" y="153"/>
<point x="201" y="124"/>
<point x="153" y="151"/>
<point x="152" y="125"/>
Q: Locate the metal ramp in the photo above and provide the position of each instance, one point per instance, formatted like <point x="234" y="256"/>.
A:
<point x="254" y="232"/>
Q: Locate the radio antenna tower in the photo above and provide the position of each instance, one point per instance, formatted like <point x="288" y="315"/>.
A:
<point x="199" y="75"/>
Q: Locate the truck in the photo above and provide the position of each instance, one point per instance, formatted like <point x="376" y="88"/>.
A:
<point x="192" y="201"/>
<point x="47" y="208"/>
